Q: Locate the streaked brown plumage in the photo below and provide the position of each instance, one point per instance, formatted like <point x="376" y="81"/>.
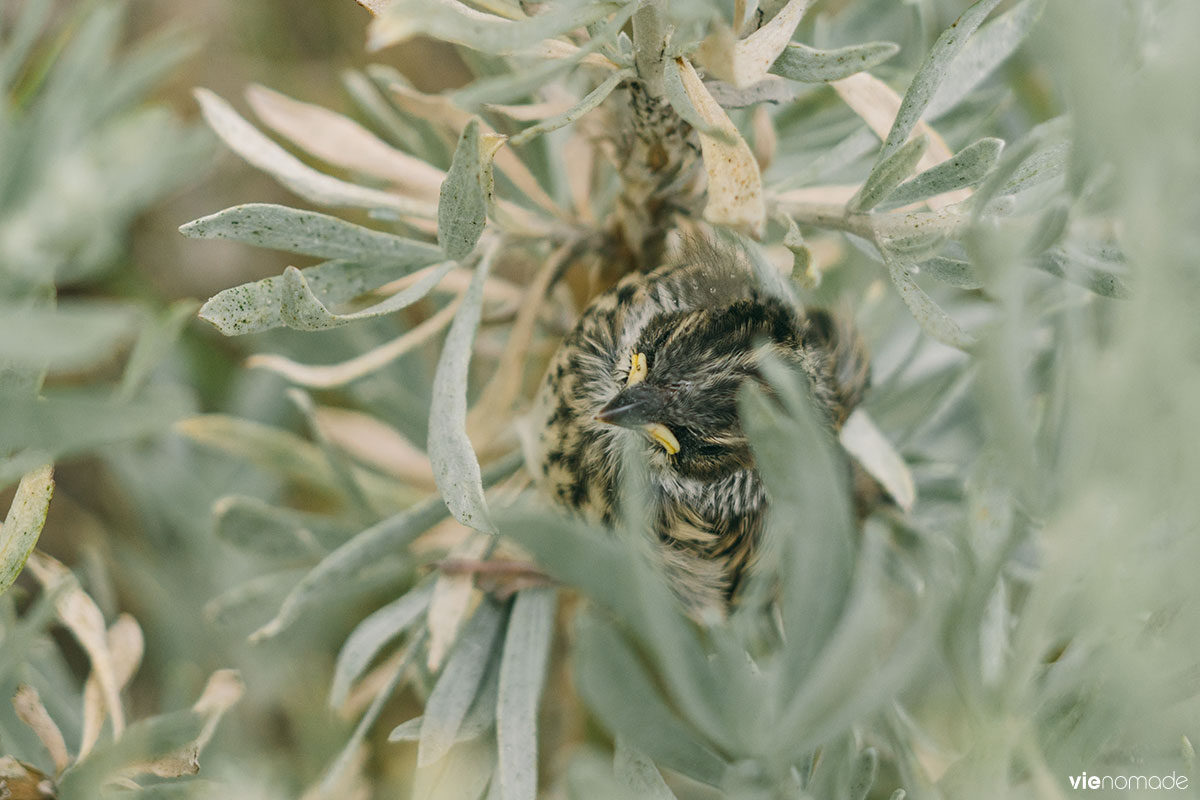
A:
<point x="660" y="357"/>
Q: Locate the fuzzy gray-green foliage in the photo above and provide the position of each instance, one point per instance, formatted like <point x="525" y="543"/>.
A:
<point x="1030" y="618"/>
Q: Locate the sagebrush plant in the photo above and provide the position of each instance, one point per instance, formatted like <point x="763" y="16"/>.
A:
<point x="81" y="155"/>
<point x="1022" y="612"/>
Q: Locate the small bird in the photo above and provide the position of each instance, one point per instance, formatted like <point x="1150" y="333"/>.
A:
<point x="661" y="357"/>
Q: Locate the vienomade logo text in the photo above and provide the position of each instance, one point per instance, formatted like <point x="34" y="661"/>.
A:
<point x="1121" y="782"/>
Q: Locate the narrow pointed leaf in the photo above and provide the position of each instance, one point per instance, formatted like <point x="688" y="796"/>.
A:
<point x="991" y="45"/>
<point x="330" y="576"/>
<point x="23" y="524"/>
<point x="888" y="174"/>
<point x="932" y="319"/>
<point x="458" y="684"/>
<point x="310" y="233"/>
<point x="800" y="62"/>
<point x="317" y="187"/>
<point x="462" y="204"/>
<point x="522" y="675"/>
<point x="455" y="466"/>
<point x="966" y="168"/>
<point x="372" y="635"/>
<point x="302" y="310"/>
<point x="931" y="74"/>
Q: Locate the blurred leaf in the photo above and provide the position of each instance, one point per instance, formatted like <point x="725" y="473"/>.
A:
<point x="966" y="168"/>
<point x="373" y="634"/>
<point x="1097" y="274"/>
<point x="452" y="21"/>
<point x="887" y="174"/>
<point x="863" y="777"/>
<point x="83" y="618"/>
<point x="872" y="449"/>
<point x="455" y="466"/>
<point x="929" y="77"/>
<point x="985" y="51"/>
<point x="317" y="187"/>
<point x="74" y="335"/>
<point x="622" y="696"/>
<point x="800" y="62"/>
<point x="314" y="234"/>
<point x="19" y="41"/>
<point x="69" y="423"/>
<point x="458" y="684"/>
<point x="154" y="342"/>
<point x="29" y="709"/>
<point x="932" y="319"/>
<point x="258" y="527"/>
<point x="638" y="773"/>
<point x="23" y="523"/>
<point x="953" y="272"/>
<point x="127" y="646"/>
<point x="284" y="454"/>
<point x="329" y="577"/>
<point x="522" y="675"/>
<point x="351" y="748"/>
<point x="462" y="774"/>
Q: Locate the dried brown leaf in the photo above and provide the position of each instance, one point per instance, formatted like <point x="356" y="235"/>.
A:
<point x="127" y="645"/>
<point x="30" y="710"/>
<point x="339" y="140"/>
<point x="735" y="192"/>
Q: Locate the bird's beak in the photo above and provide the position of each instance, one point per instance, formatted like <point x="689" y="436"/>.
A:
<point x="634" y="407"/>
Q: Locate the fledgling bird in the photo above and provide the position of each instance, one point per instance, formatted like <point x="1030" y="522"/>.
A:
<point x="661" y="357"/>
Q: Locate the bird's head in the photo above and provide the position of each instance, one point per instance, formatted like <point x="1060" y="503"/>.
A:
<point x="680" y="382"/>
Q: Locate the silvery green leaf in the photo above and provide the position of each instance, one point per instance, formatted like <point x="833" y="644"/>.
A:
<point x="455" y="465"/>
<point x="509" y="87"/>
<point x="932" y="319"/>
<point x="480" y="718"/>
<point x="331" y="575"/>
<point x="372" y="635"/>
<point x="74" y="335"/>
<point x="589" y="102"/>
<point x="255" y="526"/>
<point x="301" y="309"/>
<point x="1050" y="227"/>
<point x="863" y="776"/>
<point x="966" y="168"/>
<point x="23" y="523"/>
<point x="800" y="62"/>
<point x="153" y="344"/>
<point x="768" y="90"/>
<point x="638" y="773"/>
<point x="522" y="675"/>
<point x="310" y="233"/>
<point x="452" y="21"/>
<point x="623" y="697"/>
<point x="951" y="271"/>
<point x="68" y="423"/>
<point x="887" y="174"/>
<point x="284" y="454"/>
<point x="351" y="748"/>
<point x="931" y="74"/>
<point x="985" y="51"/>
<point x="678" y="98"/>
<point x="1091" y="272"/>
<point x="242" y="605"/>
<point x="317" y="187"/>
<point x="462" y="203"/>
<point x="863" y="440"/>
<point x="258" y="306"/>
<point x="804" y="475"/>
<point x="458" y="684"/>
<point x="20" y="40"/>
